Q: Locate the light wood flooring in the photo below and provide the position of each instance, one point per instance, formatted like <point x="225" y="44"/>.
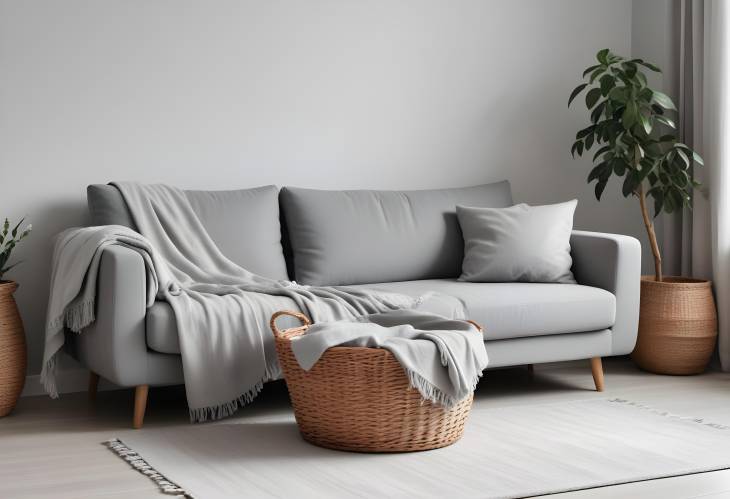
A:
<point x="52" y="448"/>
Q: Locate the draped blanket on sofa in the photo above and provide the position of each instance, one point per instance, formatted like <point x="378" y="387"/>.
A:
<point x="221" y="309"/>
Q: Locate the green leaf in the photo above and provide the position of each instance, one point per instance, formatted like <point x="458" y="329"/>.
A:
<point x="601" y="151"/>
<point x="580" y="149"/>
<point x="645" y="95"/>
<point x="589" y="141"/>
<point x="658" y="202"/>
<point x="618" y="94"/>
<point x="628" y="119"/>
<point x="600" y="186"/>
<point x="646" y="123"/>
<point x="596" y="73"/>
<point x="576" y="91"/>
<point x="630" y="184"/>
<point x="663" y="100"/>
<point x="640" y="79"/>
<point x="630" y="69"/>
<point x="584" y="132"/>
<point x="596" y="172"/>
<point x="15" y="229"/>
<point x="619" y="167"/>
<point x="684" y="157"/>
<point x="597" y="111"/>
<point x="698" y="158"/>
<point x="607" y="83"/>
<point x="602" y="56"/>
<point x="645" y="168"/>
<point x="591" y="68"/>
<point x="665" y="120"/>
<point x="650" y="66"/>
<point x="592" y="97"/>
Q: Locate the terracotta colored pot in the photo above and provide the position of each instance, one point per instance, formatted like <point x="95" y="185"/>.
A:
<point x="677" y="325"/>
<point x="13" y="356"/>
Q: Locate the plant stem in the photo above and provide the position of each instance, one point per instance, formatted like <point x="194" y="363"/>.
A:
<point x="652" y="235"/>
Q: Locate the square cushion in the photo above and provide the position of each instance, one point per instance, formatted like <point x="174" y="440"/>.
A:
<point x="520" y="243"/>
<point x="244" y="223"/>
<point x="360" y="236"/>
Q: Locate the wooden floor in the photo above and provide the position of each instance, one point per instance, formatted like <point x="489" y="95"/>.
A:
<point x="52" y="448"/>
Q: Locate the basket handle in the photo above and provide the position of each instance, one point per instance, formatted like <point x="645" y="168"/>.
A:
<point x="278" y="332"/>
<point x="476" y="325"/>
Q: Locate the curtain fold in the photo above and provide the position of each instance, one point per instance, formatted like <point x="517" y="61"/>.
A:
<point x="698" y="240"/>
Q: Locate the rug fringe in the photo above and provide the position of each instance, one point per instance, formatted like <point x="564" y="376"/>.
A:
<point x="138" y="462"/>
<point x="668" y="414"/>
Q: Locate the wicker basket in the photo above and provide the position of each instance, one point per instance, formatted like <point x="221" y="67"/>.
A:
<point x="359" y="399"/>
<point x="677" y="326"/>
<point x="13" y="357"/>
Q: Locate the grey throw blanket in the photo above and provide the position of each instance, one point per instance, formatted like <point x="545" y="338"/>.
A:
<point x="221" y="309"/>
<point x="75" y="266"/>
<point x="442" y="358"/>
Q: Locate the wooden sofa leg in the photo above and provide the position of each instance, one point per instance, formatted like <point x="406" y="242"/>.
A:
<point x="93" y="385"/>
<point x="597" y="368"/>
<point x="140" y="404"/>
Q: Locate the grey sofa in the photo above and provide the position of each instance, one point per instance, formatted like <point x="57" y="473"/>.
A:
<point x="404" y="241"/>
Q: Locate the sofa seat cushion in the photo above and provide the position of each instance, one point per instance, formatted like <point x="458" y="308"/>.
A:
<point x="161" y="327"/>
<point x="520" y="309"/>
<point x="506" y="310"/>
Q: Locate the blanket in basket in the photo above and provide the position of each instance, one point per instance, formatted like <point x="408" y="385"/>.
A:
<point x="221" y="309"/>
<point x="442" y="358"/>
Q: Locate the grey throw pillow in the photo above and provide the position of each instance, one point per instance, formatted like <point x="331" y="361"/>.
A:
<point x="519" y="243"/>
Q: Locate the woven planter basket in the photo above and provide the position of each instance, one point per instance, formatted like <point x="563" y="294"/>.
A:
<point x="359" y="399"/>
<point x="677" y="325"/>
<point x="12" y="349"/>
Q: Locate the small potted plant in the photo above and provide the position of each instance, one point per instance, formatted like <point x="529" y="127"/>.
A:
<point x="13" y="356"/>
<point x="631" y="127"/>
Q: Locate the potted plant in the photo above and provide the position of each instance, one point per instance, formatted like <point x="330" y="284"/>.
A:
<point x="635" y="138"/>
<point x="13" y="356"/>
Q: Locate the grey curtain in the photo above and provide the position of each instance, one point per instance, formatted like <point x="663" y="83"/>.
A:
<point x="697" y="242"/>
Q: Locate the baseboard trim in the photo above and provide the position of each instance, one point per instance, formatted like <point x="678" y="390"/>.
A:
<point x="67" y="381"/>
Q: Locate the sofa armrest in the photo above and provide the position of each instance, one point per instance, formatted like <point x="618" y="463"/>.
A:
<point x="612" y="262"/>
<point x="114" y="345"/>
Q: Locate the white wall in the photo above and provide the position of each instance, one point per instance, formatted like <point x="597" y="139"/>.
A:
<point x="331" y="94"/>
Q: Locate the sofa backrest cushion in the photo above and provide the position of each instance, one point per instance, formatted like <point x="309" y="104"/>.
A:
<point x="243" y="223"/>
<point x="107" y="206"/>
<point x="362" y="237"/>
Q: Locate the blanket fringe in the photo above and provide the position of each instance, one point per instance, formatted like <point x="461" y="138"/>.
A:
<point x="212" y="413"/>
<point x="48" y="376"/>
<point x="75" y="317"/>
<point x="430" y="392"/>
<point x="138" y="462"/>
<point x="668" y="414"/>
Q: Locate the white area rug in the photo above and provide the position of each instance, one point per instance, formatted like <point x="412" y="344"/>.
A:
<point x="516" y="451"/>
